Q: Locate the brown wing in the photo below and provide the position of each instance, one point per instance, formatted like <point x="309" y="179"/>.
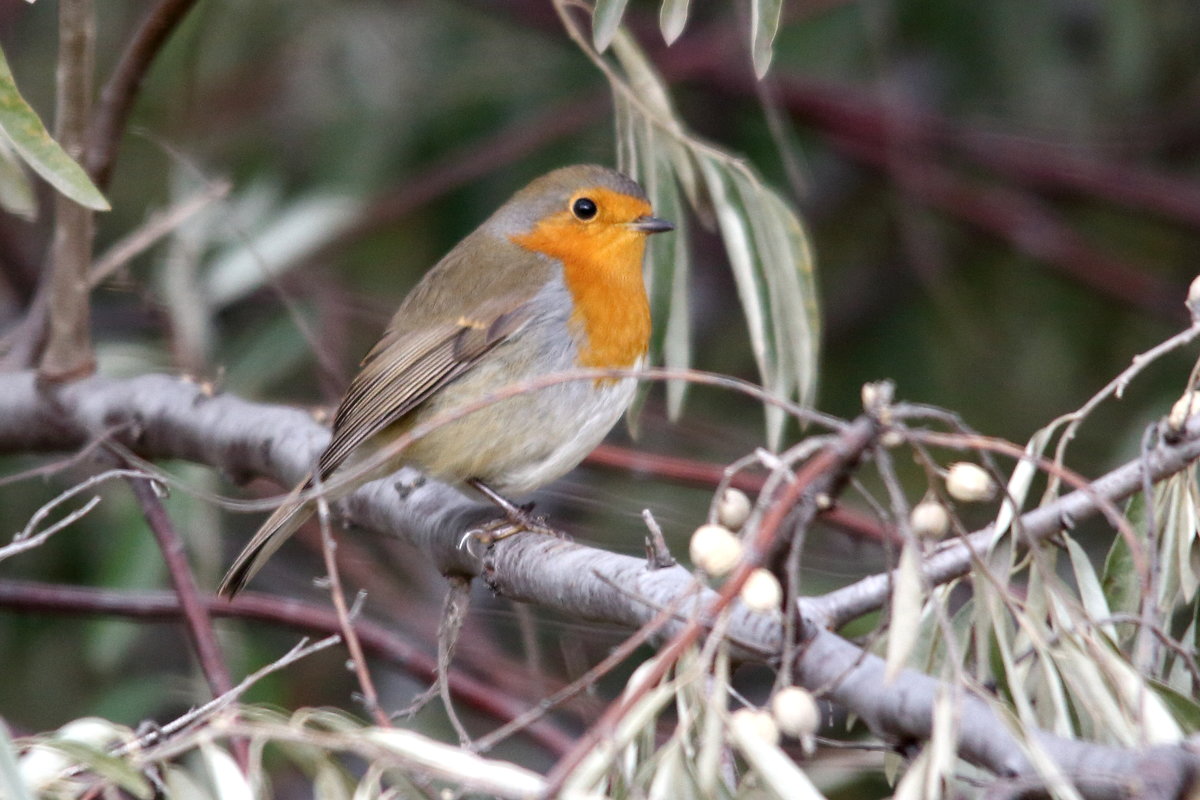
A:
<point x="404" y="368"/>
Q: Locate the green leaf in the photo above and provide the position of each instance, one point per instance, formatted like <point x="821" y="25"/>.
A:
<point x="1185" y="709"/>
<point x="111" y="768"/>
<point x="671" y="19"/>
<point x="24" y="130"/>
<point x="606" y="18"/>
<point x="16" y="192"/>
<point x="1120" y="580"/>
<point x="764" y="24"/>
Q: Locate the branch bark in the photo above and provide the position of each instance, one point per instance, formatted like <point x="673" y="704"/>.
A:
<point x="162" y="417"/>
<point x="68" y="352"/>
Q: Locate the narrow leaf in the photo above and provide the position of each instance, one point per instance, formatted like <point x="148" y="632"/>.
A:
<point x="777" y="771"/>
<point x="1090" y="591"/>
<point x="16" y="192"/>
<point x="907" y="598"/>
<point x="671" y="19"/>
<point x="29" y="137"/>
<point x="1120" y="580"/>
<point x="764" y="24"/>
<point x="606" y="18"/>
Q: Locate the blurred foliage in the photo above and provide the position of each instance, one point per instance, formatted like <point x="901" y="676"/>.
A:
<point x="386" y="131"/>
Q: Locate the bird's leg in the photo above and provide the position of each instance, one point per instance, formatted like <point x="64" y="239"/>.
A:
<point x="516" y="518"/>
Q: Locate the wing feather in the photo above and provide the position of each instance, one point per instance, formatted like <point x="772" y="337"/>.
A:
<point x="405" y="368"/>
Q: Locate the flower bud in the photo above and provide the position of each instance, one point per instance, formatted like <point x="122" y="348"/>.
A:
<point x="795" y="712"/>
<point x="762" y="592"/>
<point x="733" y="509"/>
<point x="755" y="722"/>
<point x="715" y="549"/>
<point x="929" y="520"/>
<point x="969" y="482"/>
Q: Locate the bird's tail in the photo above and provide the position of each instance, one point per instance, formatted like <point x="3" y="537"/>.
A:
<point x="290" y="515"/>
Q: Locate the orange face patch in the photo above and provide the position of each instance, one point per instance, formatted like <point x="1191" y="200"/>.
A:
<point x="602" y="266"/>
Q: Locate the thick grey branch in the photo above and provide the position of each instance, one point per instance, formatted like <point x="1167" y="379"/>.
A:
<point x="838" y="607"/>
<point x="162" y="417"/>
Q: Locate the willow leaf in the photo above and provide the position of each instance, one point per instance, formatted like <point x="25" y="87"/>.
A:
<point x="764" y="24"/>
<point x="606" y="19"/>
<point x="16" y="192"/>
<point x="20" y="124"/>
<point x="671" y="19"/>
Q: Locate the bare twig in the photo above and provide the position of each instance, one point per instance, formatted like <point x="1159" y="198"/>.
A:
<point x="27" y="539"/>
<point x="658" y="555"/>
<point x="160" y="733"/>
<point x="178" y="420"/>
<point x="119" y="93"/>
<point x="159" y="224"/>
<point x="199" y="624"/>
<point x="587" y="680"/>
<point x="345" y="619"/>
<point x="690" y="472"/>
<point x="819" y="475"/>
<point x="454" y="613"/>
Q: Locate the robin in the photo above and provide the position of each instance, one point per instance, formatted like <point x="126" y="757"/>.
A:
<point x="550" y="283"/>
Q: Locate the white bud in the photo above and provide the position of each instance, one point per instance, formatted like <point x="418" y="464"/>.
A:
<point x="969" y="482"/>
<point x="1184" y="407"/>
<point x="733" y="509"/>
<point x="40" y="765"/>
<point x="753" y="722"/>
<point x="929" y="520"/>
<point x="1193" y="298"/>
<point x="891" y="438"/>
<point x="715" y="549"/>
<point x="762" y="591"/>
<point x="870" y="396"/>
<point x="795" y="712"/>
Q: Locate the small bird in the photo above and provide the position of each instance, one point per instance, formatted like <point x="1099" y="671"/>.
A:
<point x="550" y="283"/>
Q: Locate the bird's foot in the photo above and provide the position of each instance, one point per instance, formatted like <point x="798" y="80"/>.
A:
<point x="518" y="521"/>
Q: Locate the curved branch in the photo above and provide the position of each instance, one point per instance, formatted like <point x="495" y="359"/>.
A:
<point x="117" y="98"/>
<point x="159" y="416"/>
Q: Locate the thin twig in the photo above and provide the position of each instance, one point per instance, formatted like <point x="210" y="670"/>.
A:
<point x="370" y="696"/>
<point x="159" y="224"/>
<point x="26" y="539"/>
<point x="586" y="680"/>
<point x="301" y="650"/>
<point x="454" y="613"/>
<point x="117" y="98"/>
<point x="821" y="471"/>
<point x="198" y="622"/>
<point x="382" y="642"/>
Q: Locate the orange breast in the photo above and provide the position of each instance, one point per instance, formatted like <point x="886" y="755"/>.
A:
<point x="602" y="266"/>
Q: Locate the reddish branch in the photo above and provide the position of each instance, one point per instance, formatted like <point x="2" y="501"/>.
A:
<point x="195" y="615"/>
<point x="820" y="475"/>
<point x="847" y="111"/>
<point x="120" y="92"/>
<point x="691" y="472"/>
<point x="381" y="642"/>
<point x="174" y="419"/>
<point x="1026" y="224"/>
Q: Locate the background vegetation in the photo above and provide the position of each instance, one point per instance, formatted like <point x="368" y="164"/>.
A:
<point x="1001" y="199"/>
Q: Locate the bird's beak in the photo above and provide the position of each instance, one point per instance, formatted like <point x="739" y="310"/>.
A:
<point x="649" y="224"/>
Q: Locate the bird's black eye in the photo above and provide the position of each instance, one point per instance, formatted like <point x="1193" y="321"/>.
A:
<point x="584" y="208"/>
